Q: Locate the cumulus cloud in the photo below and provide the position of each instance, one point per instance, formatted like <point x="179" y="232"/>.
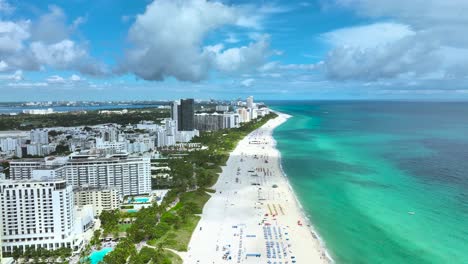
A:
<point x="12" y="36"/>
<point x="35" y="45"/>
<point x="240" y="58"/>
<point x="420" y="42"/>
<point x="168" y="37"/>
<point x="415" y="12"/>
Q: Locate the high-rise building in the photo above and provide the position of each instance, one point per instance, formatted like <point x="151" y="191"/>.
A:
<point x="208" y="122"/>
<point x="131" y="175"/>
<point x="22" y="169"/>
<point x="185" y="113"/>
<point x="174" y="108"/>
<point x="215" y="121"/>
<point x="37" y="214"/>
<point x="250" y="102"/>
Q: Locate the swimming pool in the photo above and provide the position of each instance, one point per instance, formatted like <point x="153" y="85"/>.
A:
<point x="97" y="256"/>
<point x="139" y="200"/>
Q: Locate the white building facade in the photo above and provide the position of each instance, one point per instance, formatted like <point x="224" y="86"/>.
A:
<point x="101" y="199"/>
<point x="37" y="214"/>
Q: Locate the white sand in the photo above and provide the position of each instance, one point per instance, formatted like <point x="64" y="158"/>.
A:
<point x="233" y="222"/>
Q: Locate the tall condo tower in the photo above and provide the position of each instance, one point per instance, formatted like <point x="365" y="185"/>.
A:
<point x="174" y="108"/>
<point x="185" y="115"/>
<point x="250" y="102"/>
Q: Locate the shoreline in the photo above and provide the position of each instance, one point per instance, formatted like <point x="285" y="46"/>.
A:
<point x="313" y="231"/>
<point x="255" y="216"/>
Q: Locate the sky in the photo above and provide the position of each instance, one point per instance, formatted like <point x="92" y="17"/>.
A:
<point x="165" y="49"/>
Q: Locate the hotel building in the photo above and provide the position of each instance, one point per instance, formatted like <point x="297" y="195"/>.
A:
<point x="37" y="214"/>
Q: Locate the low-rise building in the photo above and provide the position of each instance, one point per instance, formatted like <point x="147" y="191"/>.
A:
<point x="100" y="198"/>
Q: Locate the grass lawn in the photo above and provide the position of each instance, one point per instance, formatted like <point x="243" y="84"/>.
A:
<point x="175" y="259"/>
<point x="199" y="197"/>
<point x="123" y="227"/>
<point x="178" y="239"/>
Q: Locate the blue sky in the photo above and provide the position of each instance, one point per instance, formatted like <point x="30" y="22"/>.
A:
<point x="165" y="49"/>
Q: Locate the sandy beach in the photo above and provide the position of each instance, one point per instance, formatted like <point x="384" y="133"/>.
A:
<point x="254" y="216"/>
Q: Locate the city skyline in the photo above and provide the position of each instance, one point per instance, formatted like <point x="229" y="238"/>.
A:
<point x="341" y="49"/>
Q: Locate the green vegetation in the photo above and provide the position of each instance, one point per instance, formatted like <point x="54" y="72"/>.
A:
<point x="110" y="221"/>
<point x="121" y="253"/>
<point x="168" y="225"/>
<point x="158" y="255"/>
<point x="27" y="122"/>
<point x="6" y="168"/>
<point x="184" y="220"/>
<point x="123" y="227"/>
<point x="41" y="255"/>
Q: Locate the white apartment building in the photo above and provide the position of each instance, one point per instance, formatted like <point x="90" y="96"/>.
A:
<point x="131" y="175"/>
<point x="250" y="102"/>
<point x="39" y="136"/>
<point x="222" y="108"/>
<point x="106" y="198"/>
<point x="22" y="169"/>
<point x="112" y="146"/>
<point x="244" y="115"/>
<point x="38" y="214"/>
<point x="9" y="144"/>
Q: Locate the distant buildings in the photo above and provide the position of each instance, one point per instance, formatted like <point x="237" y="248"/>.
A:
<point x="38" y="111"/>
<point x="39" y="136"/>
<point x="37" y="214"/>
<point x="222" y="108"/>
<point x="185" y="115"/>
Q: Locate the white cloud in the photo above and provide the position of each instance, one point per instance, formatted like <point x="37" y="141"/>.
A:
<point x="241" y="58"/>
<point x="415" y="12"/>
<point x="168" y="41"/>
<point x="277" y="66"/>
<point x="37" y="45"/>
<point x="16" y="76"/>
<point x="28" y="84"/>
<point x="78" y="22"/>
<point x="75" y="78"/>
<point x="3" y="66"/>
<point x="368" y="36"/>
<point x="426" y="40"/>
<point x="51" y="27"/>
<point x="55" y="79"/>
<point x="12" y="36"/>
<point x="248" y="82"/>
<point x="60" y="55"/>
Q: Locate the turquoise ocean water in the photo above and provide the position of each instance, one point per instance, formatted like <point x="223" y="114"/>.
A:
<point x="382" y="182"/>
